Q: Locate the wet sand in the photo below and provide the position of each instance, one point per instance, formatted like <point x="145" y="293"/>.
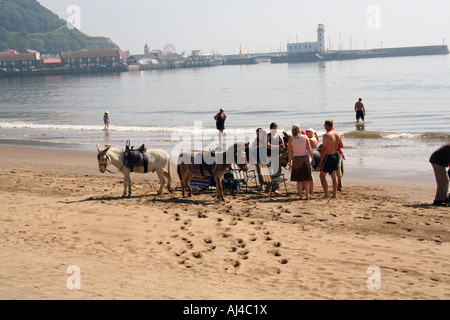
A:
<point x="59" y="211"/>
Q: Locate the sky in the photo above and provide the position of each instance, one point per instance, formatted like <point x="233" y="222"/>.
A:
<point x="225" y="26"/>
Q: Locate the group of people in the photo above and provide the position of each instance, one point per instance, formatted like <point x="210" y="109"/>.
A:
<point x="301" y="161"/>
<point x="301" y="147"/>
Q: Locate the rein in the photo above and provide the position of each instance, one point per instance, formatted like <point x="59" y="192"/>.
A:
<point x="108" y="159"/>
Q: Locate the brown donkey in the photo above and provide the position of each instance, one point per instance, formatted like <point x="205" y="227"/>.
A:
<point x="187" y="168"/>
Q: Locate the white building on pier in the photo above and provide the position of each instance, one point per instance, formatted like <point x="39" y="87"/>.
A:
<point x="309" y="47"/>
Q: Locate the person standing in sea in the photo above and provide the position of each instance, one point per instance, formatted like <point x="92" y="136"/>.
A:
<point x="440" y="160"/>
<point x="329" y="157"/>
<point x="360" y="110"/>
<point x="220" y="124"/>
<point x="106" y="120"/>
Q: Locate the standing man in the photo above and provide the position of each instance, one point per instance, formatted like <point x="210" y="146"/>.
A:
<point x="220" y="124"/>
<point x="329" y="158"/>
<point x="440" y="160"/>
<point x="360" y="110"/>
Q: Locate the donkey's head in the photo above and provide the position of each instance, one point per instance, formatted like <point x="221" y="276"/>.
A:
<point x="102" y="158"/>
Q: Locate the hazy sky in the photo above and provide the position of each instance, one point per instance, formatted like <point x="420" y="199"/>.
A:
<point x="260" y="25"/>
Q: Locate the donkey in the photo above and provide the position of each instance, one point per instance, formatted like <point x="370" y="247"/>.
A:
<point x="158" y="161"/>
<point x="187" y="170"/>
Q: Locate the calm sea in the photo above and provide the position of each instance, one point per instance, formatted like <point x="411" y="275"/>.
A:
<point x="407" y="102"/>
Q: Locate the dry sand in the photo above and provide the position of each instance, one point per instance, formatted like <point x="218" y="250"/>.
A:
<point x="57" y="210"/>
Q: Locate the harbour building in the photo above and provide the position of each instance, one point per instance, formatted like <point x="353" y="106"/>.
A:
<point x="309" y="47"/>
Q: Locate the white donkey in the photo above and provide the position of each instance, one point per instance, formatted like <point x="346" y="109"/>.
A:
<point x="158" y="161"/>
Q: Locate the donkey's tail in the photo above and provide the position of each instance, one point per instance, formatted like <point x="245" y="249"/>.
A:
<point x="179" y="171"/>
<point x="169" y="171"/>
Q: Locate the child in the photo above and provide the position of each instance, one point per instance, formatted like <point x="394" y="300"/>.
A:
<point x="106" y="120"/>
<point x="340" y="151"/>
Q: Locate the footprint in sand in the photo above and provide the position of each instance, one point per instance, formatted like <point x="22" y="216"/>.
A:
<point x="244" y="254"/>
<point x="277" y="244"/>
<point x="208" y="240"/>
<point x="235" y="263"/>
<point x="276" y="253"/>
<point x="180" y="253"/>
<point x="202" y="215"/>
<point x="209" y="244"/>
<point x="240" y="243"/>
<point x="274" y="270"/>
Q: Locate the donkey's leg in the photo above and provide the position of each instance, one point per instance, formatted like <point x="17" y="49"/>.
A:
<point x="189" y="177"/>
<point x="129" y="185"/>
<point x="126" y="179"/>
<point x="220" y="196"/>
<point x="183" y="187"/>
<point x="169" y="180"/>
<point x="162" y="180"/>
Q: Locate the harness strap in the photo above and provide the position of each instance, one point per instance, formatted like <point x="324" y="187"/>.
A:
<point x="109" y="160"/>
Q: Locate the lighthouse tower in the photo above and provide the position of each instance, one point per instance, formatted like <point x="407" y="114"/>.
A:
<point x="146" y="49"/>
<point x="321" y="39"/>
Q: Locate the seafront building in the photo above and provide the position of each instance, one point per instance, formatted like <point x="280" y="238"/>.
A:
<point x="12" y="61"/>
<point x="109" y="58"/>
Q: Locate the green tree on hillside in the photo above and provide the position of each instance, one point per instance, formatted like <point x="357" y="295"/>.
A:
<point x="26" y="24"/>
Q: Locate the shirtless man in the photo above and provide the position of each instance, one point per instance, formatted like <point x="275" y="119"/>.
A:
<point x="360" y="110"/>
<point x="329" y="158"/>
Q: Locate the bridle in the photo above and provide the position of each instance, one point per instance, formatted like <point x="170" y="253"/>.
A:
<point x="107" y="161"/>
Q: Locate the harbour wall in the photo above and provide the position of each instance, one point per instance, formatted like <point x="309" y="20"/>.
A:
<point x="363" y="54"/>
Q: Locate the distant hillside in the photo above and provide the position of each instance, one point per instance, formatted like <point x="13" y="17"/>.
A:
<point x="26" y="24"/>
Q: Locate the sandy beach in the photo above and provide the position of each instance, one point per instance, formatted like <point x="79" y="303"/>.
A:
<point x="58" y="211"/>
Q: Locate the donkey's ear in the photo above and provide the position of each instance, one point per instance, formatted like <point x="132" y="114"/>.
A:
<point x="107" y="149"/>
<point x="98" y="148"/>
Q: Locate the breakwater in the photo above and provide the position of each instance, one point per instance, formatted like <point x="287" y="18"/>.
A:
<point x="362" y="54"/>
<point x="240" y="61"/>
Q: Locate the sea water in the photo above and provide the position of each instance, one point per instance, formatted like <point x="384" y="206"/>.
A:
<point x="407" y="102"/>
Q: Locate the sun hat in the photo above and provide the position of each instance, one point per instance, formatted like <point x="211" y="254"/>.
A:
<point x="311" y="130"/>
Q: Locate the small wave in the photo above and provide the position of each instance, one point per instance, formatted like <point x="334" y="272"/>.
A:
<point x="363" y="135"/>
<point x="395" y="135"/>
<point x="437" y="136"/>
<point x="134" y="129"/>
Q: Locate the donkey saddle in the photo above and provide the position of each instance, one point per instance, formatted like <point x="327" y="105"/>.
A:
<point x="200" y="164"/>
<point x="136" y="157"/>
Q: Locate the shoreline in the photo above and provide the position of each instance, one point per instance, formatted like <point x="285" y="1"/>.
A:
<point x="354" y="167"/>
